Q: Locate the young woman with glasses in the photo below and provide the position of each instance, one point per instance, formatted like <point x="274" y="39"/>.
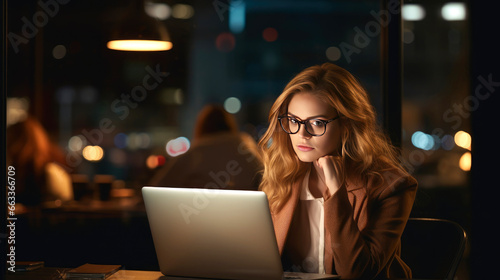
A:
<point x="339" y="197"/>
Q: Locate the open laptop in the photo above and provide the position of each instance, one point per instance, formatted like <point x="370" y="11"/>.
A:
<point x="216" y="234"/>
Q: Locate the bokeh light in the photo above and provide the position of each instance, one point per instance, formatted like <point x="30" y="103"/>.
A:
<point x="232" y="105"/>
<point x="93" y="153"/>
<point x="225" y="42"/>
<point x="59" y="51"/>
<point x="463" y="139"/>
<point x="17" y="110"/>
<point x="121" y="140"/>
<point x="160" y="11"/>
<point x="333" y="53"/>
<point x="270" y="34"/>
<point x="154" y="161"/>
<point x="447" y="142"/>
<point x="172" y="95"/>
<point x="182" y="11"/>
<point x="408" y="36"/>
<point x="76" y="143"/>
<point x="177" y="146"/>
<point x="237" y="16"/>
<point x="453" y="11"/>
<point x="138" y="141"/>
<point x="144" y="140"/>
<point x="413" y="12"/>
<point x="422" y="140"/>
<point x="465" y="162"/>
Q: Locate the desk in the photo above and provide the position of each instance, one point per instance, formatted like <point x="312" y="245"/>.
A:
<point x="130" y="206"/>
<point x="52" y="273"/>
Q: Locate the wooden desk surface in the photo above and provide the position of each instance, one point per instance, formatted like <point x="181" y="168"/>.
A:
<point x="53" y="273"/>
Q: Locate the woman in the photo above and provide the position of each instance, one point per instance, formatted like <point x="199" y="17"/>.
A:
<point x="221" y="156"/>
<point x="338" y="195"/>
<point x="40" y="176"/>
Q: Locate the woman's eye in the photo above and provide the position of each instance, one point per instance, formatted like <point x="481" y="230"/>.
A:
<point x="316" y="123"/>
<point x="294" y="121"/>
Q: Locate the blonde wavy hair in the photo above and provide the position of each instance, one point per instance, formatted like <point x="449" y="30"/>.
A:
<point x="365" y="150"/>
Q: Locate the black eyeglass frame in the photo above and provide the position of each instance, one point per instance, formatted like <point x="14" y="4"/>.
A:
<point x="325" y="122"/>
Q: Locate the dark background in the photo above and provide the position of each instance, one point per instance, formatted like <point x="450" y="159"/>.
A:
<point x="72" y="94"/>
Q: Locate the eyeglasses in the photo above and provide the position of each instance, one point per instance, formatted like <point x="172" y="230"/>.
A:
<point x="315" y="127"/>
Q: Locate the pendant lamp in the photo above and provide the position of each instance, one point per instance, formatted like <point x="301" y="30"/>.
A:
<point x="137" y="31"/>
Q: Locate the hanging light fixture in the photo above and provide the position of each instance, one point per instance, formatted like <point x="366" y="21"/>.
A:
<point x="140" y="32"/>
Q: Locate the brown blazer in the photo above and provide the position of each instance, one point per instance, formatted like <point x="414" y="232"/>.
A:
<point x="363" y="226"/>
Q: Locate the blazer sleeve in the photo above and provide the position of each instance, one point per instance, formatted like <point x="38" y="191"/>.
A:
<point x="367" y="252"/>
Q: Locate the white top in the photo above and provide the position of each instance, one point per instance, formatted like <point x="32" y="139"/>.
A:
<point x="307" y="235"/>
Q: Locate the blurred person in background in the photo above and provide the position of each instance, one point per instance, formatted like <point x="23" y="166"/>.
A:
<point x="38" y="163"/>
<point x="220" y="156"/>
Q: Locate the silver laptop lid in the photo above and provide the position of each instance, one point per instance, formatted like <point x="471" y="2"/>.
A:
<point x="209" y="233"/>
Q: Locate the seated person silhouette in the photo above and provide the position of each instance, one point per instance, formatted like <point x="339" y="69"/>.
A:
<point x="220" y="156"/>
<point x="38" y="163"/>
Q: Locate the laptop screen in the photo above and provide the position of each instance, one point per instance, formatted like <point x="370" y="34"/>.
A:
<point x="212" y="233"/>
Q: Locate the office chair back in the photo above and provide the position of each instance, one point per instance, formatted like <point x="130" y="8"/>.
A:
<point x="433" y="248"/>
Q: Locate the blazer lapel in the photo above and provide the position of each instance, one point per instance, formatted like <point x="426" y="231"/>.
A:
<point x="283" y="218"/>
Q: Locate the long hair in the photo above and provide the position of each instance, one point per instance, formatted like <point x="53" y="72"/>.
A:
<point x="29" y="150"/>
<point x="365" y="149"/>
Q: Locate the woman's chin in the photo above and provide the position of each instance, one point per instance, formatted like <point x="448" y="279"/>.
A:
<point x="307" y="158"/>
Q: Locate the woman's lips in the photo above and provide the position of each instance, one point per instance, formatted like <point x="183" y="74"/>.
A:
<point x="304" y="148"/>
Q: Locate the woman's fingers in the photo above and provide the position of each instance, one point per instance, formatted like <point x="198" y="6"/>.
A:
<point x="327" y="165"/>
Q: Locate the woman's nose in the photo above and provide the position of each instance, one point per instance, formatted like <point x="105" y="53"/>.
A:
<point x="303" y="133"/>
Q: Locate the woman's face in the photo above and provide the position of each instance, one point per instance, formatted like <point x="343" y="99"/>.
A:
<point x="305" y="106"/>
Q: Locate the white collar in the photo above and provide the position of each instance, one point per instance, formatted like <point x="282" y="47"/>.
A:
<point x="305" y="193"/>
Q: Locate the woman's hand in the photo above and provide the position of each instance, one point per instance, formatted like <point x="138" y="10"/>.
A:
<point x="327" y="171"/>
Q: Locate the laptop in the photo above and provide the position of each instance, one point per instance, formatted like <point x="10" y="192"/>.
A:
<point x="215" y="234"/>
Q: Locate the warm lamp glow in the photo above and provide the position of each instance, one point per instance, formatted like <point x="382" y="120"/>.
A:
<point x="139" y="45"/>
